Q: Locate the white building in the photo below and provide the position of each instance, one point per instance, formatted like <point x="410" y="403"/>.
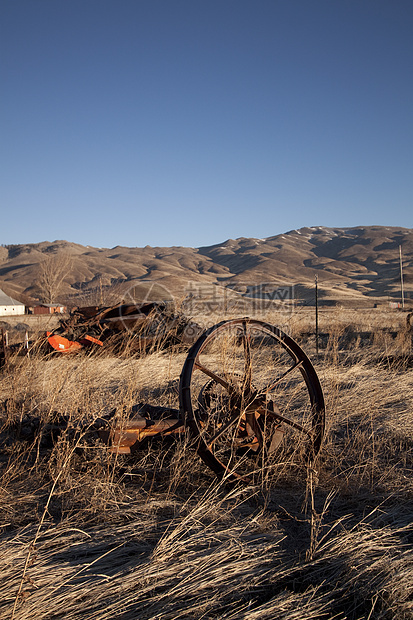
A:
<point x="9" y="306"/>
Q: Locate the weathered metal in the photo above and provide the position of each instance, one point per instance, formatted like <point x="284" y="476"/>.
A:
<point x="61" y="344"/>
<point x="139" y="327"/>
<point x="247" y="393"/>
<point x="237" y="413"/>
<point x="260" y="388"/>
<point x="125" y="438"/>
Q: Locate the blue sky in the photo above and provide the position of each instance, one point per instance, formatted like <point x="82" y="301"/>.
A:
<point x="187" y="122"/>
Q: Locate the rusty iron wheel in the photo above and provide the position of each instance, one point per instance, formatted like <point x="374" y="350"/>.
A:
<point x="251" y="399"/>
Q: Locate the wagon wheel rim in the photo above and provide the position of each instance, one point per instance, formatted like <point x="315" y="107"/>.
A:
<point x="246" y="385"/>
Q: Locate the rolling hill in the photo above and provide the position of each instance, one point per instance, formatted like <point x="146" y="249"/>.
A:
<point x="353" y="265"/>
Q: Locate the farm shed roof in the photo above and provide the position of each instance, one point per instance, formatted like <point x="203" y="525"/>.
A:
<point x="5" y="300"/>
<point x="56" y="305"/>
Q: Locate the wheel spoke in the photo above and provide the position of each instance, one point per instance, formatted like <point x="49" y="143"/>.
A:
<point x="212" y="375"/>
<point x="278" y="416"/>
<point x="271" y="386"/>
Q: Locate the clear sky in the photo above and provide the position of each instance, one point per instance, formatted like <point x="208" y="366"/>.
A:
<point x="187" y="122"/>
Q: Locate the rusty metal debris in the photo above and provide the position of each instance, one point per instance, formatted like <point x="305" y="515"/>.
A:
<point x="247" y="393"/>
<point x="135" y="327"/>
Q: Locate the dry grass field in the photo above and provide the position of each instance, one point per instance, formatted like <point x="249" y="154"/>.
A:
<point x="87" y="534"/>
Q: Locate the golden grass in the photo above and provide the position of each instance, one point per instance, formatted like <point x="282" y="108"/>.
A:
<point x="86" y="534"/>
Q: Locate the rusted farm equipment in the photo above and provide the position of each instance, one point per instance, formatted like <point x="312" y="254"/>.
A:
<point x="140" y="327"/>
<point x="248" y="394"/>
<point x="246" y="388"/>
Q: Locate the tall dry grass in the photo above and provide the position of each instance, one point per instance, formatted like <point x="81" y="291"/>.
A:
<point x="88" y="534"/>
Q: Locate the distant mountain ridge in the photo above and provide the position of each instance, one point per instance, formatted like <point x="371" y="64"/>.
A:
<point x="350" y="263"/>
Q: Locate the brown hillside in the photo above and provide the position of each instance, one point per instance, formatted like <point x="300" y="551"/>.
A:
<point x="350" y="263"/>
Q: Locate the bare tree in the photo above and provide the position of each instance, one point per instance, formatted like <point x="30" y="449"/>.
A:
<point x="103" y="294"/>
<point x="52" y="272"/>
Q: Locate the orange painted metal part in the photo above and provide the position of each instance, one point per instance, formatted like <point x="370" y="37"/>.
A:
<point x="93" y="340"/>
<point x="63" y="344"/>
<point x="122" y="439"/>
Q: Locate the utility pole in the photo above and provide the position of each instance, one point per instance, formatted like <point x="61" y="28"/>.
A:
<point x="316" y="312"/>
<point x="401" y="275"/>
<point x="100" y="291"/>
